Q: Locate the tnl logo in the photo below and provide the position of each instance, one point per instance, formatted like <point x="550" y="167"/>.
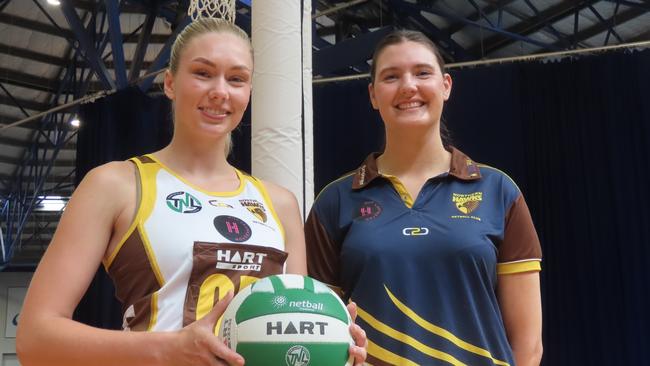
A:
<point x="183" y="202"/>
<point x="297" y="356"/>
<point x="415" y="231"/>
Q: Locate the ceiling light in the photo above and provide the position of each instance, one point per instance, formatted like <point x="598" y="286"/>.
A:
<point x="51" y="203"/>
<point x="54" y="2"/>
<point x="75" y="122"/>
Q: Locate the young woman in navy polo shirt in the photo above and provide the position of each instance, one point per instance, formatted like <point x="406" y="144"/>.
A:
<point x="439" y="252"/>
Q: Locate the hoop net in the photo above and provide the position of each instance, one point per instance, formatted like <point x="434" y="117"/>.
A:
<point x="224" y="9"/>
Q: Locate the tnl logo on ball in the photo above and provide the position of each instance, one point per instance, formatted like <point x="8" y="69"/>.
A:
<point x="297" y="356"/>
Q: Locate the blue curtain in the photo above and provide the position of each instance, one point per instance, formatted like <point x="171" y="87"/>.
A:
<point x="575" y="135"/>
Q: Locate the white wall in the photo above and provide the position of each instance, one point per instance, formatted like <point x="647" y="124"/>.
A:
<point x="13" y="286"/>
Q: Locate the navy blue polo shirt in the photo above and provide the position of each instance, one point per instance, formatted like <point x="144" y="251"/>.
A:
<point x="423" y="271"/>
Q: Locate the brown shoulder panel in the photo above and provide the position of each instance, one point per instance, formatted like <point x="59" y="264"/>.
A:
<point x="520" y="241"/>
<point x="322" y="252"/>
<point x="134" y="277"/>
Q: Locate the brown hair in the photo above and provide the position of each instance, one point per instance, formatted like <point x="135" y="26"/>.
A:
<point x="400" y="36"/>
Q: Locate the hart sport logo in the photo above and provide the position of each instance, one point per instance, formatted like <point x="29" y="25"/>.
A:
<point x="239" y="260"/>
<point x="368" y="210"/>
<point x="300" y="327"/>
<point x="297" y="356"/>
<point x="256" y="208"/>
<point x="232" y="228"/>
<point x="183" y="202"/>
<point x="466" y="203"/>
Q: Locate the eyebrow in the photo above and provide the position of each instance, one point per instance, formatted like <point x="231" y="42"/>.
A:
<point x="393" y="68"/>
<point x="205" y="61"/>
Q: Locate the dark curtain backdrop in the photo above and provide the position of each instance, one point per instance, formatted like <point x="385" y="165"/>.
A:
<point x="122" y="125"/>
<point x="575" y="135"/>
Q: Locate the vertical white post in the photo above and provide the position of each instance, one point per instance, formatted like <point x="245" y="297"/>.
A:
<point x="308" y="120"/>
<point x="279" y="121"/>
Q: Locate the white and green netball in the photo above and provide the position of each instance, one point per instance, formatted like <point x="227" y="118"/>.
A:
<point x="288" y="320"/>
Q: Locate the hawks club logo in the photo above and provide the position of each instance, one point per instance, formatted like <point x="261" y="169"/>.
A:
<point x="232" y="228"/>
<point x="256" y="208"/>
<point x="466" y="203"/>
<point x="368" y="210"/>
<point x="183" y="202"/>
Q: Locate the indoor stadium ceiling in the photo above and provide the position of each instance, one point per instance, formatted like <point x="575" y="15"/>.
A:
<point x="52" y="56"/>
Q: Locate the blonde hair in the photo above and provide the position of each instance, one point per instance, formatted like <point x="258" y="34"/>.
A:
<point x="200" y="27"/>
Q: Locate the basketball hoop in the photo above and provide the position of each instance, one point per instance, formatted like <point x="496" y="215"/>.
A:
<point x="224" y="9"/>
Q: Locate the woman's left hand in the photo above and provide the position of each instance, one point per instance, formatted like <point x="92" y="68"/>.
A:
<point x="358" y="351"/>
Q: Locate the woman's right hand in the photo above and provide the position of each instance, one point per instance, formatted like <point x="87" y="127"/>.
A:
<point x="196" y="344"/>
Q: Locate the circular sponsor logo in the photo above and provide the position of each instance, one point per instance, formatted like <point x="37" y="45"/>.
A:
<point x="297" y="356"/>
<point x="232" y="228"/>
<point x="368" y="210"/>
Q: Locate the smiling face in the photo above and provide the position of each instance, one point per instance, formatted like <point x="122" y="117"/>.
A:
<point x="409" y="87"/>
<point x="211" y="85"/>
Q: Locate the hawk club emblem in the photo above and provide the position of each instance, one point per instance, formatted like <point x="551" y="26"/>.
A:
<point x="256" y="208"/>
<point x="466" y="203"/>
